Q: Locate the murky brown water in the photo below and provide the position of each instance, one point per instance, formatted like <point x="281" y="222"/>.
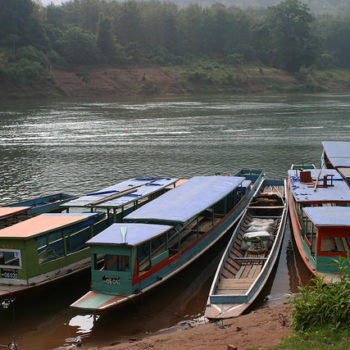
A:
<point x="81" y="146"/>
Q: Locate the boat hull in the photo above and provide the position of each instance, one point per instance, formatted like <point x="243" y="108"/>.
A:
<point x="232" y="304"/>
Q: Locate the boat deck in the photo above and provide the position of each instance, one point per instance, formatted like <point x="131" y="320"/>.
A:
<point x="242" y="267"/>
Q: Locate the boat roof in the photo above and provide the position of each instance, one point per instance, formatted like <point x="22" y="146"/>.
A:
<point x="10" y="211"/>
<point x="139" y="187"/>
<point x="184" y="202"/>
<point x="43" y="223"/>
<point x="304" y="193"/>
<point x="338" y="153"/>
<point x="328" y="216"/>
<point x="136" y="234"/>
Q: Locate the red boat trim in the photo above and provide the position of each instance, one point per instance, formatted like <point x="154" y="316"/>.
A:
<point x="297" y="234"/>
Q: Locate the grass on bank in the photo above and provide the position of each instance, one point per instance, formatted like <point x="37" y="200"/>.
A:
<point x="321" y="314"/>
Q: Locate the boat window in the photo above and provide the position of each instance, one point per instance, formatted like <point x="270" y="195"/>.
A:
<point x="10" y="258"/>
<point x="116" y="263"/>
<point x="50" y="247"/>
<point x="334" y="244"/>
<point x="75" y="240"/>
<point x="143" y="256"/>
<point x="159" y="245"/>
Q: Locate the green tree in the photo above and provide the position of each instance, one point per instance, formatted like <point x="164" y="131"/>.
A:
<point x="290" y="40"/>
<point x="105" y="37"/>
<point x="79" y="47"/>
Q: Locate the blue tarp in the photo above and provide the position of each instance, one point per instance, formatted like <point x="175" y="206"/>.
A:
<point x="340" y="192"/>
<point x="147" y="187"/>
<point x="186" y="201"/>
<point x="135" y="234"/>
<point x="329" y="216"/>
<point x="338" y="153"/>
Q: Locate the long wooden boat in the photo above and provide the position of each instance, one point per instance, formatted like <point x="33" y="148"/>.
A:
<point x="251" y="253"/>
<point x="15" y="212"/>
<point x="336" y="155"/>
<point x="52" y="246"/>
<point x="319" y="188"/>
<point x="164" y="236"/>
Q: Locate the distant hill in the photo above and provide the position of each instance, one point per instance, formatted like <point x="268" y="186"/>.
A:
<point x="317" y="7"/>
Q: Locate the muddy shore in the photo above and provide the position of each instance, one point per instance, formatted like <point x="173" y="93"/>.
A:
<point x="261" y="328"/>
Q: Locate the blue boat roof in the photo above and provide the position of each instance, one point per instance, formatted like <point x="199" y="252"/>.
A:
<point x="338" y="153"/>
<point x="184" y="202"/>
<point x="328" y="216"/>
<point x="303" y="193"/>
<point x="146" y="186"/>
<point x="136" y="234"/>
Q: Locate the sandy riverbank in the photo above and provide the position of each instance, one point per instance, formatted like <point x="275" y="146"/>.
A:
<point x="260" y="328"/>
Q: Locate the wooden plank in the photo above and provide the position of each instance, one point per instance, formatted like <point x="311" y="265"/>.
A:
<point x="233" y="283"/>
<point x="239" y="272"/>
<point x="257" y="271"/>
<point x="346" y="244"/>
<point x="246" y="271"/>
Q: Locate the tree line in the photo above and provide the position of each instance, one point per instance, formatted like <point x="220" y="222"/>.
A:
<point x="90" y="32"/>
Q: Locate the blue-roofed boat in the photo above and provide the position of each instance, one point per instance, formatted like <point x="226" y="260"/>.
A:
<point x="15" y="212"/>
<point x="318" y="246"/>
<point x="336" y="155"/>
<point x="49" y="247"/>
<point x="164" y="236"/>
<point x="251" y="253"/>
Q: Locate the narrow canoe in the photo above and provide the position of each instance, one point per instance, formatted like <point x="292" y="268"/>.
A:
<point x="250" y="255"/>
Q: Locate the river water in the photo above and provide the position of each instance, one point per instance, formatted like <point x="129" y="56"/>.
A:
<point x="83" y="145"/>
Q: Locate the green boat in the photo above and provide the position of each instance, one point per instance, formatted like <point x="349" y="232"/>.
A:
<point x="52" y="246"/>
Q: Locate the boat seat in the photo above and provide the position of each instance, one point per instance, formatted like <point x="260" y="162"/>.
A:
<point x="235" y="284"/>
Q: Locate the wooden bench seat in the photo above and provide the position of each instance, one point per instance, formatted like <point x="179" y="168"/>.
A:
<point x="235" y="284"/>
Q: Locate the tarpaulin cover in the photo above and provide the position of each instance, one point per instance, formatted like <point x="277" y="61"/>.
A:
<point x="44" y="223"/>
<point x="186" y="201"/>
<point x="340" y="192"/>
<point x="135" y="234"/>
<point x="338" y="153"/>
<point x="147" y="186"/>
<point x="329" y="216"/>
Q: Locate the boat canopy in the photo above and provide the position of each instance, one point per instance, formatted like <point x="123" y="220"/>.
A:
<point x="44" y="223"/>
<point x="338" y="153"/>
<point x="135" y="234"/>
<point x="329" y="216"/>
<point x="304" y="192"/>
<point x="9" y="211"/>
<point x="142" y="187"/>
<point x="184" y="202"/>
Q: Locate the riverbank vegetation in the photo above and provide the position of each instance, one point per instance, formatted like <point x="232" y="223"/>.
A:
<point x="35" y="40"/>
<point x="321" y="314"/>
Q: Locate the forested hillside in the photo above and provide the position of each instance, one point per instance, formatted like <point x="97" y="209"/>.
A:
<point x="317" y="7"/>
<point x="34" y="38"/>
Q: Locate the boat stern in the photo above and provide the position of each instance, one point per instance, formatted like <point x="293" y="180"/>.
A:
<point x="98" y="301"/>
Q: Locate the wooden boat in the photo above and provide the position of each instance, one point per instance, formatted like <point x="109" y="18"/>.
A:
<point x="164" y="236"/>
<point x="15" y="212"/>
<point x="319" y="188"/>
<point x="251" y="253"/>
<point x="336" y="155"/>
<point x="51" y="246"/>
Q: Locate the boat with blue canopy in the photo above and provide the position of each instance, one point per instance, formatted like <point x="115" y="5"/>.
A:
<point x="51" y="246"/>
<point x="336" y="155"/>
<point x="318" y="188"/>
<point x="251" y="253"/>
<point x="164" y="236"/>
